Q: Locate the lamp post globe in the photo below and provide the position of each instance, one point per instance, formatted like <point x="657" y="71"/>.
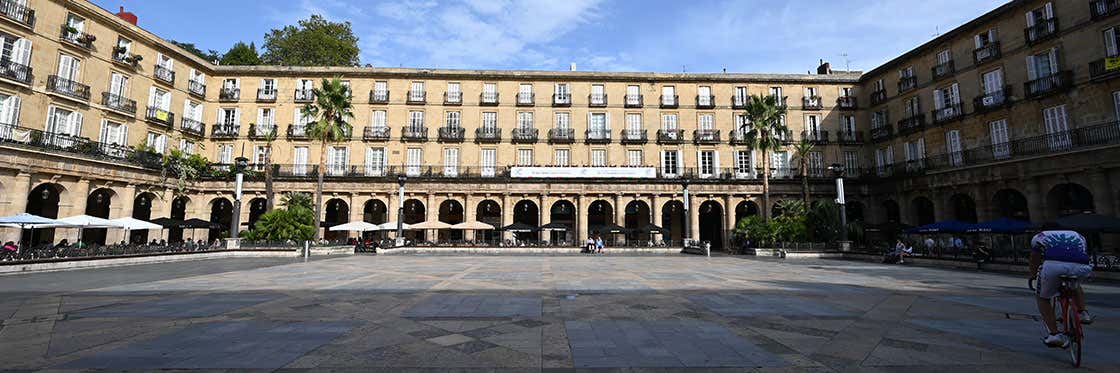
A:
<point x="838" y="171"/>
<point x="239" y="166"/>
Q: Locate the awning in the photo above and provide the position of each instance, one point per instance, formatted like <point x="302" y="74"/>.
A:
<point x="357" y="226"/>
<point x="608" y="228"/>
<point x="554" y="227"/>
<point x="81" y="221"/>
<point x="945" y="226"/>
<point x="519" y="228"/>
<point x="651" y="229"/>
<point x="472" y="225"/>
<point x="24" y="220"/>
<point x="391" y="226"/>
<point x="135" y="224"/>
<point x="196" y="223"/>
<point x="1001" y="225"/>
<point x="431" y="225"/>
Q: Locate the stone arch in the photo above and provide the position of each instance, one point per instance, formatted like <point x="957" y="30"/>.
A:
<point x="221" y="212"/>
<point x="490" y="212"/>
<point x="711" y="223"/>
<point x="1010" y="203"/>
<point x="636" y="216"/>
<point x="335" y="212"/>
<point x="1068" y="199"/>
<point x="527" y="212"/>
<point x="178" y="212"/>
<point x="854" y="211"/>
<point x="415" y="212"/>
<point x="744" y="209"/>
<point x="451" y="212"/>
<point x="257" y="207"/>
<point x="923" y="211"/>
<point x="99" y="203"/>
<point x="599" y="213"/>
<point x="141" y="209"/>
<point x="672" y="219"/>
<point x="891" y="211"/>
<point x="563" y="212"/>
<point x="375" y="211"/>
<point x="963" y="208"/>
<point x="43" y="200"/>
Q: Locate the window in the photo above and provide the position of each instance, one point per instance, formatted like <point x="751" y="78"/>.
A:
<point x="913" y="107"/>
<point x="669" y="123"/>
<point x="563" y="157"/>
<point x="633" y="95"/>
<point x="260" y="155"/>
<point x="525" y="120"/>
<point x="524" y="157"/>
<point x="231" y="84"/>
<point x="415" y="160"/>
<point x="944" y="57"/>
<point x="846" y="92"/>
<point x="17" y="50"/>
<point x="670" y="163"/>
<point x="907" y="72"/>
<point x="1110" y="45"/>
<point x="375" y="161"/>
<point x="452" y="120"/>
<point x="598" y="157"/>
<point x="266" y="117"/>
<point x="487" y="166"/>
<point x="704" y="95"/>
<point x="946" y="102"/>
<point x="381" y="91"/>
<point x="1042" y="65"/>
<point x="416" y="121"/>
<point x="953" y="146"/>
<point x="634" y="157"/>
<point x="706" y="122"/>
<point x="562" y="94"/>
<point x="118" y="88"/>
<point x="668" y="95"/>
<point x="1115" y="104"/>
<point x="597" y="125"/>
<point x="489" y="92"/>
<point x="268" y="86"/>
<point x="633" y="125"/>
<point x="337" y="159"/>
<point x="563" y="121"/>
<point x="225" y="154"/>
<point x="915" y="154"/>
<point x="192" y="110"/>
<point x="1001" y="140"/>
<point x="525" y="93"/>
<point x="378" y="119"/>
<point x="228" y="117"/>
<point x="813" y="126"/>
<point x="68" y="69"/>
<point x="993" y="87"/>
<point x="816" y="163"/>
<point x="779" y="163"/>
<point x="884" y="160"/>
<point x="299" y="159"/>
<point x="776" y="92"/>
<point x="63" y="122"/>
<point x="113" y="133"/>
<point x="489" y="121"/>
<point x="346" y="84"/>
<point x="454" y="94"/>
<point x="186" y="146"/>
<point x="9" y="113"/>
<point x="416" y="92"/>
<point x="878" y="119"/>
<point x="159" y="99"/>
<point x="1039" y="16"/>
<point x="744" y="163"/>
<point x="741" y="126"/>
<point x="851" y="163"/>
<point x="707" y="163"/>
<point x="1057" y="127"/>
<point x="811" y="92"/>
<point x="124" y="44"/>
<point x="167" y="63"/>
<point x="78" y="23"/>
<point x="157" y="141"/>
<point x="879" y="85"/>
<point x="848" y="125"/>
<point x="598" y="94"/>
<point x="984" y="39"/>
<point x="451" y="162"/>
<point x="740" y="97"/>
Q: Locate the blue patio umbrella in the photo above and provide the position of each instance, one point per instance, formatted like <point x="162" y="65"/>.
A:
<point x="944" y="226"/>
<point x="1001" y="225"/>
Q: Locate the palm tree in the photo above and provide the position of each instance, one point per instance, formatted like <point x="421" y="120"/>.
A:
<point x="331" y="112"/>
<point x="269" y="194"/>
<point x="292" y="200"/>
<point x="802" y="149"/>
<point x="764" y="131"/>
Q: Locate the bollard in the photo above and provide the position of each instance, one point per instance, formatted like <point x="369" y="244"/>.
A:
<point x="306" y="249"/>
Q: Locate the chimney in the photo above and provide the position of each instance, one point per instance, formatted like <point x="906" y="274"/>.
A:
<point x="824" y="69"/>
<point x="127" y="16"/>
<point x="572" y="66"/>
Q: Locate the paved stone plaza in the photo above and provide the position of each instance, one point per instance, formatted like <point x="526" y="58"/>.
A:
<point x="371" y="313"/>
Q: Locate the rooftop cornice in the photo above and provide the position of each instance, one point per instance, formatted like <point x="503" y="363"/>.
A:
<point x="136" y="33"/>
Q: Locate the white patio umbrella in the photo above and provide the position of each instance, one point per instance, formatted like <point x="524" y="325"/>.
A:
<point x="24" y="220"/>
<point x="130" y="224"/>
<point x="81" y="222"/>
<point x="431" y="225"/>
<point x="356" y="226"/>
<point x="472" y="225"/>
<point x="391" y="226"/>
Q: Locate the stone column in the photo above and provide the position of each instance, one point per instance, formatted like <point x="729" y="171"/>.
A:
<point x="74" y="203"/>
<point x="123" y="209"/>
<point x="470" y="213"/>
<point x="982" y="200"/>
<point x="694" y="215"/>
<point x="431" y="213"/>
<point x="582" y="205"/>
<point x="728" y="222"/>
<point x="16" y="196"/>
<point x="356" y="212"/>
<point x="942" y="209"/>
<point x="545" y="216"/>
<point x="1035" y="203"/>
<point x="1102" y="193"/>
<point x="507" y="215"/>
<point x="655" y="218"/>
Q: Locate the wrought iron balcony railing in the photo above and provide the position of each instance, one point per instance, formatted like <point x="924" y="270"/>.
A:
<point x="523" y="135"/>
<point x="196" y="88"/>
<point x="376" y="133"/>
<point x="948" y="114"/>
<point x="17" y="12"/>
<point x="672" y="136"/>
<point x="451" y="134"/>
<point x="488" y="135"/>
<point x="68" y="88"/>
<point x="847" y="102"/>
<point x="225" y="131"/>
<point x="1048" y="84"/>
<point x="633" y="137"/>
<point x="118" y="103"/>
<point x="942" y="70"/>
<point x="378" y="97"/>
<point x="1044" y="29"/>
<point x="989" y="52"/>
<point x="192" y="127"/>
<point x="15" y="71"/>
<point x="229" y="94"/>
<point x="266" y="95"/>
<point x="561" y="135"/>
<point x="991" y="101"/>
<point x="705" y="137"/>
<point x="812" y="103"/>
<point x="632" y="101"/>
<point x="163" y="74"/>
<point x="304" y="95"/>
<point x="414" y="134"/>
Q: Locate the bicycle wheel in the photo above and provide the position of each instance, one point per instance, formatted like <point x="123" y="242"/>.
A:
<point x="1072" y="327"/>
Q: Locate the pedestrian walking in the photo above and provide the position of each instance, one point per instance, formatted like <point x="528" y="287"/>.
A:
<point x="599" y="243"/>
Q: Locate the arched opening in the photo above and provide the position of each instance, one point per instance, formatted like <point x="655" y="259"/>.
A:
<point x="672" y="219"/>
<point x="42" y="201"/>
<point x="1068" y="199"/>
<point x="98" y="204"/>
<point x="257" y="207"/>
<point x="526" y="212"/>
<point x="923" y="211"/>
<point x="374" y="212"/>
<point x="964" y="208"/>
<point x="854" y="210"/>
<point x="745" y="209"/>
<point x="179" y="213"/>
<point x="451" y="212"/>
<point x="636" y="218"/>
<point x="337" y="212"/>
<point x="221" y="212"/>
<point x="599" y="214"/>
<point x="489" y="212"/>
<point x="141" y="209"/>
<point x="891" y="211"/>
<point x="711" y="223"/>
<point x="414" y="212"/>
<point x="562" y="212"/>
<point x="1009" y="203"/>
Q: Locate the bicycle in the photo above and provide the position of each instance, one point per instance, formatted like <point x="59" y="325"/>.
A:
<point x="1066" y="315"/>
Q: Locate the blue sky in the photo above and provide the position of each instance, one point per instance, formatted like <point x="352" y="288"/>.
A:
<point x="653" y="35"/>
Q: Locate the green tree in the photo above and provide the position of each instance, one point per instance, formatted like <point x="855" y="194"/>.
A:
<point x="296" y="199"/>
<point x="802" y="150"/>
<point x="764" y="131"/>
<point x="296" y="223"/>
<point x="209" y="56"/>
<point x="823" y="220"/>
<point x="242" y="54"/>
<point x="332" y="112"/>
<point x="269" y="193"/>
<point x="315" y="42"/>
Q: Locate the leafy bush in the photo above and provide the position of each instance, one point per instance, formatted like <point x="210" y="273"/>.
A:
<point x="296" y="199"/>
<point x="296" y="223"/>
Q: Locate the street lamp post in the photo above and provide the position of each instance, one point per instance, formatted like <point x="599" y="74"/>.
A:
<point x="240" y="163"/>
<point x="686" y="236"/>
<point x="400" y="210"/>
<point x="838" y="171"/>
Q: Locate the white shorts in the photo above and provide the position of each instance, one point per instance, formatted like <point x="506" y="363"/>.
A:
<point x="1049" y="273"/>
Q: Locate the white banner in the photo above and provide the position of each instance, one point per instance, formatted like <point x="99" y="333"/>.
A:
<point x="584" y="172"/>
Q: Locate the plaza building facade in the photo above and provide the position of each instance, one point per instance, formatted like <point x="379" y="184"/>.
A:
<point x="1012" y="114"/>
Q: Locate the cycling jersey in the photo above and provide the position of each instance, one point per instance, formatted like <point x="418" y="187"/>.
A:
<point x="1061" y="246"/>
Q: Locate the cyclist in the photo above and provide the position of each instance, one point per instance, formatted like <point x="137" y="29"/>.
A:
<point x="1054" y="254"/>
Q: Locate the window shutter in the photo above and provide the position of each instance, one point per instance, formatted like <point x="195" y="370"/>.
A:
<point x="11" y="111"/>
<point x="75" y="124"/>
<point x="1054" y="59"/>
<point x="715" y="163"/>
<point x="992" y="34"/>
<point x="976" y="40"/>
<point x="937" y="102"/>
<point x="124" y="134"/>
<point x="23" y="51"/>
<point x="104" y="135"/>
<point x="237" y="116"/>
<point x="1030" y="19"/>
<point x="1032" y="71"/>
<point x="1049" y="10"/>
<point x="921" y="148"/>
<point x="260" y="116"/>
<point x="49" y="128"/>
<point x="955" y="94"/>
<point x="1110" y="41"/>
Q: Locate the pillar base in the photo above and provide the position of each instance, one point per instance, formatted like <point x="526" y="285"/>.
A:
<point x="233" y="243"/>
<point x="845" y="246"/>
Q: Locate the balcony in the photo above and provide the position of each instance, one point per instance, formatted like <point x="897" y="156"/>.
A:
<point x="989" y="52"/>
<point x="816" y="137"/>
<point x="812" y="103"/>
<point x="738" y="102"/>
<point x="670" y="137"/>
<point x="526" y="99"/>
<point x="705" y="137"/>
<point x="627" y="137"/>
<point x="991" y="101"/>
<point x="882" y="133"/>
<point x="598" y="137"/>
<point x="1047" y="85"/>
<point x="948" y="114"/>
<point x="670" y="102"/>
<point x="72" y="36"/>
<point x="738" y="137"/>
<point x="378" y="97"/>
<point x="1103" y="8"/>
<point x="912" y="124"/>
<point x="376" y="133"/>
<point x="562" y="100"/>
<point x="632" y="101"/>
<point x="303" y="96"/>
<point x="847" y="102"/>
<point x="488" y="135"/>
<point x="907" y="83"/>
<point x="14" y="71"/>
<point x="1041" y="31"/>
<point x="942" y="70"/>
<point x="120" y="56"/>
<point x="262" y="131"/>
<point x="450" y="134"/>
<point x="705" y="102"/>
<point x="597" y="100"/>
<point x="453" y="98"/>
<point x="488" y="99"/>
<point x="197" y="88"/>
<point x="849" y="137"/>
<point x="297" y="132"/>
<point x="15" y="12"/>
<point x="192" y="127"/>
<point x="229" y="95"/>
<point x="118" y="103"/>
<point x="561" y="136"/>
<point x="225" y="131"/>
<point x="878" y="97"/>
<point x="1100" y="71"/>
<point x="266" y="95"/>
<point x="414" y="134"/>
<point x="163" y="74"/>
<point x="68" y="88"/>
<point x="523" y="136"/>
<point x="781" y="101"/>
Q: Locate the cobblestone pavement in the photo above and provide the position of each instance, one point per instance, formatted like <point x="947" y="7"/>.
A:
<point x="400" y="313"/>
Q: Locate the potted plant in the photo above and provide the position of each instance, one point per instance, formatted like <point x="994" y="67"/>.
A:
<point x="134" y="59"/>
<point x="70" y="30"/>
<point x="87" y="39"/>
<point x="119" y="50"/>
